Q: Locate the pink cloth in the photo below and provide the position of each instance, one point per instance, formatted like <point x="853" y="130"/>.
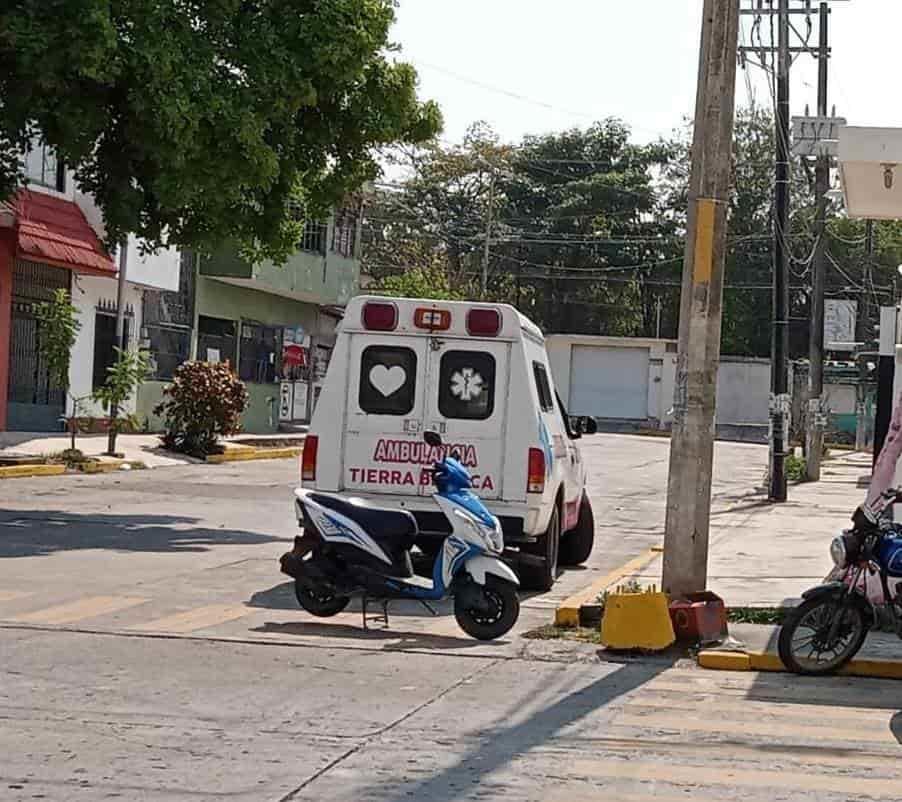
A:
<point x="884" y="474"/>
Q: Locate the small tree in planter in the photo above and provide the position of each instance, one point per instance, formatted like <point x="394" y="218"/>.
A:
<point x="203" y="403"/>
<point x="58" y="327"/>
<point x="122" y="380"/>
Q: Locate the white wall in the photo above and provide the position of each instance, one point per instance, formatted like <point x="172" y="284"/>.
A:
<point x="159" y="271"/>
<point x="87" y="294"/>
<point x="661" y="356"/>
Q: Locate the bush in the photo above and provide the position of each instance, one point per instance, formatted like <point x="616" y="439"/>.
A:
<point x="203" y="403"/>
<point x="796" y="468"/>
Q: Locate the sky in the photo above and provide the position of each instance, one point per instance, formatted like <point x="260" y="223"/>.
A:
<point x="533" y="66"/>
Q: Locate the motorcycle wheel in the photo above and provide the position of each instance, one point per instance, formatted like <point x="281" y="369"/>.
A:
<point x="501" y="609"/>
<point x="802" y="645"/>
<point x="320" y="602"/>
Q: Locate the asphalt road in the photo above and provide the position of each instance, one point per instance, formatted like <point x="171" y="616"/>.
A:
<point x="151" y="650"/>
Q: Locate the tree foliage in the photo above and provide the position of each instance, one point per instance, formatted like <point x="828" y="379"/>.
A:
<point x="58" y="327"/>
<point x="588" y="232"/>
<point x="194" y="122"/>
<point x="129" y="369"/>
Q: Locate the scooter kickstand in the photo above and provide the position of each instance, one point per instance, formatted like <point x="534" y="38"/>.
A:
<point x="383" y="617"/>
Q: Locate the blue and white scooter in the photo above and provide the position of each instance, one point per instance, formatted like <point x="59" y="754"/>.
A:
<point x="351" y="548"/>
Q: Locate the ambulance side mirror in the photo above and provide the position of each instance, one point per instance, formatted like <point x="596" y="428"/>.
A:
<point x="590" y="426"/>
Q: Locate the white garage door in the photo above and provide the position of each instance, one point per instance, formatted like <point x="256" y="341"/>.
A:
<point x="609" y="382"/>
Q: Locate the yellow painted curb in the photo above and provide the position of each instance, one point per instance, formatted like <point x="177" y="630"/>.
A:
<point x="567" y="612"/>
<point x="725" y="661"/>
<point x="762" y="661"/>
<point x="24" y="471"/>
<point x="109" y="466"/>
<point x="246" y="454"/>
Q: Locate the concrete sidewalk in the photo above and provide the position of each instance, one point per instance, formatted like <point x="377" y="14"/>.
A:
<point x="145" y="448"/>
<point x="766" y="555"/>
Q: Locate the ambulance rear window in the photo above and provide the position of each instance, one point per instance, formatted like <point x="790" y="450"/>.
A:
<point x="388" y="376"/>
<point x="467" y="385"/>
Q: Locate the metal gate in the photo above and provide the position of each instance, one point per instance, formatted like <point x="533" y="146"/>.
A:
<point x="34" y="406"/>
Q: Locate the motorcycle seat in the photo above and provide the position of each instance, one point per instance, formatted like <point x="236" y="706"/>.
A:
<point x="396" y="530"/>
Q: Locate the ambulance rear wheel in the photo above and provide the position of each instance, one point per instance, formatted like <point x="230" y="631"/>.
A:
<point x="541" y="577"/>
<point x="578" y="542"/>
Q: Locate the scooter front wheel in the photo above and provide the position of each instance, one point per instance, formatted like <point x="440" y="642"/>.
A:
<point x="319" y="601"/>
<point x="488" y="611"/>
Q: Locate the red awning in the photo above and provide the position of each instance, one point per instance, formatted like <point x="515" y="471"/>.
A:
<point x="55" y="231"/>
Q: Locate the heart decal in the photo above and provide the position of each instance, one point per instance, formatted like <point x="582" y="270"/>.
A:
<point x="388" y="380"/>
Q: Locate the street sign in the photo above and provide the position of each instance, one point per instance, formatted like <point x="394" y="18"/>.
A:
<point x="816" y="136"/>
<point x="839" y="324"/>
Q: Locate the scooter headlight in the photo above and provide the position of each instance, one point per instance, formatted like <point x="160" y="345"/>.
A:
<point x="838" y="552"/>
<point x="496" y="537"/>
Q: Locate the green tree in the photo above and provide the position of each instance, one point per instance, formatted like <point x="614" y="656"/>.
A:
<point x="435" y="218"/>
<point x="58" y="327"/>
<point x="194" y="122"/>
<point x="419" y="282"/>
<point x="124" y="376"/>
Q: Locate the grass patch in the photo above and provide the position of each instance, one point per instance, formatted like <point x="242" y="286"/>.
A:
<point x="756" y="615"/>
<point x="552" y="632"/>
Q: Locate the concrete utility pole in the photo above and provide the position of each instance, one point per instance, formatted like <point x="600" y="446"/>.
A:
<point x="121" y="340"/>
<point x="814" y="449"/>
<point x="779" y="401"/>
<point x="692" y="439"/>
<point x="488" y="235"/>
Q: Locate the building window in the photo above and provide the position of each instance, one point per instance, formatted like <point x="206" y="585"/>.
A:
<point x="44" y="168"/>
<point x="105" y="343"/>
<point x="261" y="353"/>
<point x="388" y="380"/>
<point x="466" y="385"/>
<point x="216" y="341"/>
<point x="344" y="233"/>
<point x="313" y="239"/>
<point x="168" y="348"/>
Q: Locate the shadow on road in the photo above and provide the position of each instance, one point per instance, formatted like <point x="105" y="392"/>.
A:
<point x="393" y="638"/>
<point x="501" y="746"/>
<point x="37" y="535"/>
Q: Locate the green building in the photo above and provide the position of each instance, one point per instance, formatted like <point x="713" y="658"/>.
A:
<point x="274" y="324"/>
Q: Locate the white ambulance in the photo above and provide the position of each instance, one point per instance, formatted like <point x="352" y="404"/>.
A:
<point x="478" y="374"/>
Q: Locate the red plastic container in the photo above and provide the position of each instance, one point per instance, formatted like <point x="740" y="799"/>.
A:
<point x="700" y="617"/>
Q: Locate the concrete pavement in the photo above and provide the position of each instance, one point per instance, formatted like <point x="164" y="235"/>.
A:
<point x="103" y="717"/>
<point x="152" y="651"/>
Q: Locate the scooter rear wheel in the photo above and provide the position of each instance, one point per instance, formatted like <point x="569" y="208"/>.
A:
<point x="500" y="610"/>
<point x="320" y="602"/>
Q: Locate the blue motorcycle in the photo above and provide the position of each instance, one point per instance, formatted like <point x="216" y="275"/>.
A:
<point x="828" y="629"/>
<point x="350" y="548"/>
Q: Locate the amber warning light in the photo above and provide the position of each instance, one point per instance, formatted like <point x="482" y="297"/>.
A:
<point x="432" y="319"/>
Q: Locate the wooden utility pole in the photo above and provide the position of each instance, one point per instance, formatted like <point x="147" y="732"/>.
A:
<point x="692" y="440"/>
<point x="815" y="429"/>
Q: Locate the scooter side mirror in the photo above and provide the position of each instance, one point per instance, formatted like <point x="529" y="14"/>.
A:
<point x="433" y="439"/>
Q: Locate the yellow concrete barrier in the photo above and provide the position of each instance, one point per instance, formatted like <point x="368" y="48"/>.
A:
<point x="637" y="621"/>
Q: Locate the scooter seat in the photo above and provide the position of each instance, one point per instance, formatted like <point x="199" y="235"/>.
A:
<point x="396" y="530"/>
